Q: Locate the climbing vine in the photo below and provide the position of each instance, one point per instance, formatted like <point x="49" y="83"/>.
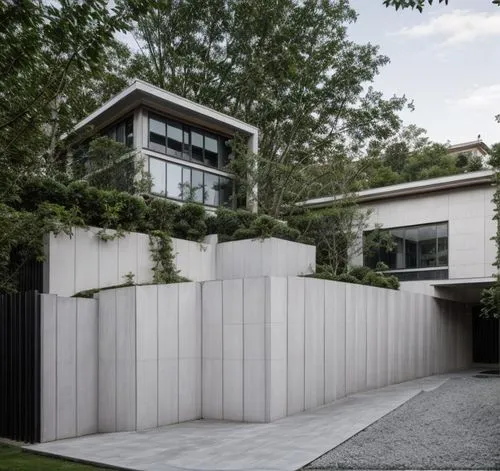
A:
<point x="164" y="270"/>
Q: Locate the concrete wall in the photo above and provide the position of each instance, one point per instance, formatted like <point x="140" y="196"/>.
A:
<point x="264" y="257"/>
<point x="84" y="261"/>
<point x="276" y="346"/>
<point x="149" y="356"/>
<point x="69" y="367"/>
<point x="469" y="213"/>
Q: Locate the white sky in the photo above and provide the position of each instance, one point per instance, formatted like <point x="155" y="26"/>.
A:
<point x="446" y="59"/>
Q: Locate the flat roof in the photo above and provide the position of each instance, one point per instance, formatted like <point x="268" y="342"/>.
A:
<point x="479" y="144"/>
<point x="140" y="92"/>
<point x="481" y="177"/>
<point x="461" y="282"/>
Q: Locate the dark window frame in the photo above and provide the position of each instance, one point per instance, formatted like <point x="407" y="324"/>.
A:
<point x="126" y="121"/>
<point x="187" y="149"/>
<point x="229" y="203"/>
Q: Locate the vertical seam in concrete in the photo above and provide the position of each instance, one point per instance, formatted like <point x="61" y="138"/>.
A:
<point x="57" y="379"/>
<point x="345" y="340"/>
<point x="76" y="368"/>
<point x="267" y="385"/>
<point x="178" y="350"/>
<point x="304" y="284"/>
<point x="243" y="349"/>
<point x="324" y="341"/>
<point x="366" y="340"/>
<point x="116" y="365"/>
<point x="286" y="354"/>
<point x="222" y="350"/>
<point x="157" y="355"/>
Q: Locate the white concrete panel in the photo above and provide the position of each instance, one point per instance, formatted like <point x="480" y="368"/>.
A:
<point x="168" y="391"/>
<point x="372" y="327"/>
<point x="276" y="310"/>
<point x="330" y="342"/>
<point x="86" y="260"/>
<point x="61" y="260"/>
<point x="350" y="338"/>
<point x="382" y="332"/>
<point x="361" y="334"/>
<point x="232" y="301"/>
<point x="314" y="342"/>
<point x="212" y="320"/>
<point x="127" y="256"/>
<point x="147" y="322"/>
<point x="108" y="262"/>
<point x="147" y="394"/>
<point x="254" y="295"/>
<point x="189" y="389"/>
<point x="144" y="264"/>
<point x="107" y="361"/>
<point x="190" y="320"/>
<point x="168" y="321"/>
<point x="420" y="309"/>
<point x="276" y="383"/>
<point x="254" y="390"/>
<point x="86" y="365"/>
<point x="295" y="345"/>
<point x="66" y="368"/>
<point x="232" y="342"/>
<point x="339" y="326"/>
<point x="393" y="303"/>
<point x="126" y="359"/>
<point x="254" y="341"/>
<point x="212" y="389"/>
<point x="48" y="382"/>
<point x="232" y="390"/>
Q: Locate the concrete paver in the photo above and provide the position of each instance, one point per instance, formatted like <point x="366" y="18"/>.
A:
<point x="287" y="444"/>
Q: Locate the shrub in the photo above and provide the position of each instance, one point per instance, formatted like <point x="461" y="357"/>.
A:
<point x="189" y="222"/>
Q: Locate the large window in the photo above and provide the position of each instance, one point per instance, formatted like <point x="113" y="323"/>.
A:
<point x="419" y="248"/>
<point x="184" y="183"/>
<point x="122" y="132"/>
<point x="184" y="142"/>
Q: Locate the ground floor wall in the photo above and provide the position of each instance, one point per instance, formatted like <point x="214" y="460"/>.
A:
<point x="253" y="350"/>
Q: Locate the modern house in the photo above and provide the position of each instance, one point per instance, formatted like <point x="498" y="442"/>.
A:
<point x="471" y="149"/>
<point x="183" y="144"/>
<point x="442" y="231"/>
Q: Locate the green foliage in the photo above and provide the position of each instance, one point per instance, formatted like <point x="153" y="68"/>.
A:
<point x="358" y="275"/>
<point x="110" y="165"/>
<point x="226" y="222"/>
<point x="419" y="4"/>
<point x="189" y="222"/>
<point x="287" y="67"/>
<point x="164" y="270"/>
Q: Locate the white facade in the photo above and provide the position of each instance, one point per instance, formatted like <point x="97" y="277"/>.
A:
<point x="464" y="203"/>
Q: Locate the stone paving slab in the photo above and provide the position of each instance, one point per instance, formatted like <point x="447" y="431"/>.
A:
<point x="287" y="444"/>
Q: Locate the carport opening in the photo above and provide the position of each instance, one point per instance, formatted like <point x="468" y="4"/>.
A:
<point x="485" y="338"/>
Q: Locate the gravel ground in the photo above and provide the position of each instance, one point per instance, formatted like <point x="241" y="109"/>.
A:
<point x="456" y="426"/>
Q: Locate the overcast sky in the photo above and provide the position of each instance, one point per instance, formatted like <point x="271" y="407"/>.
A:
<point x="446" y="59"/>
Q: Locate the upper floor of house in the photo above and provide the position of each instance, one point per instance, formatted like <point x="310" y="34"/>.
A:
<point x="184" y="144"/>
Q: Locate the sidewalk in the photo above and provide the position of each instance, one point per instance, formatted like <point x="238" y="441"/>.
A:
<point x="287" y="444"/>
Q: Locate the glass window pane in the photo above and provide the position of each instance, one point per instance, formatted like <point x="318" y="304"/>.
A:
<point x="427" y="256"/>
<point x="186" y="183"/>
<point x="157" y="172"/>
<point x="442" y="245"/>
<point x="197" y="146"/>
<point x="197" y="185"/>
<point x="225" y="149"/>
<point x="174" y="181"/>
<point x="398" y="251"/>
<point x="120" y="133"/>
<point x="129" y="131"/>
<point x="211" y="189"/>
<point x="225" y="191"/>
<point x="157" y="134"/>
<point x="174" y="140"/>
<point x="411" y="243"/>
<point x="211" y="152"/>
<point x="187" y="146"/>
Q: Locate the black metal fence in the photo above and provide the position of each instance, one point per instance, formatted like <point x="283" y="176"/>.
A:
<point x="20" y="366"/>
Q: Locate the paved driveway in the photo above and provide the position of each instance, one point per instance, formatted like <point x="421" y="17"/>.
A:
<point x="287" y="444"/>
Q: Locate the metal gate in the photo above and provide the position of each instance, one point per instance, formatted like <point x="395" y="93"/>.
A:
<point x="20" y="366"/>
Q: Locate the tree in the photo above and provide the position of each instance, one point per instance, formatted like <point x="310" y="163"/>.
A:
<point x="419" y="4"/>
<point x="286" y="66"/>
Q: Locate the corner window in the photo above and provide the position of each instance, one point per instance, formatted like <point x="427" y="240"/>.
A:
<point x="187" y="143"/>
<point x="413" y="248"/>
<point x="123" y="131"/>
<point x="183" y="183"/>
